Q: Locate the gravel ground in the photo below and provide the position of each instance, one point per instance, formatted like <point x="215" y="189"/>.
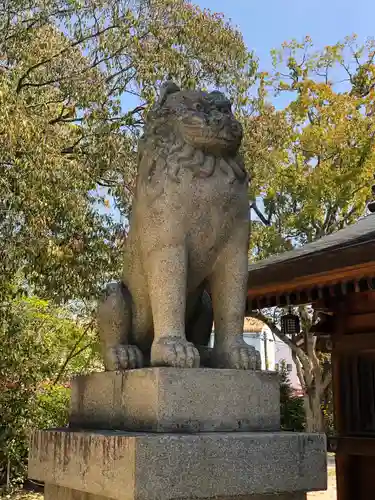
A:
<point x="22" y="496"/>
<point x="330" y="494"/>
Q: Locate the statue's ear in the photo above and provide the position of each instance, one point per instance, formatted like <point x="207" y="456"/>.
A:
<point x="166" y="89"/>
<point x="219" y="99"/>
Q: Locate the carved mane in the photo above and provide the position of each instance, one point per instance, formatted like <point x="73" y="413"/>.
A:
<point x="162" y="150"/>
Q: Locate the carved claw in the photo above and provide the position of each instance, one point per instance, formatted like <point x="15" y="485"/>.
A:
<point x="123" y="357"/>
<point x="174" y="351"/>
<point x="237" y="355"/>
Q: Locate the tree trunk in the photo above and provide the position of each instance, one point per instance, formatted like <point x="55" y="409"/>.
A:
<point x="313" y="411"/>
<point x="312" y="377"/>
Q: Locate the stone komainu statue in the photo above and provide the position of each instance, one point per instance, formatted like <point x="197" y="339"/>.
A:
<point x="189" y="230"/>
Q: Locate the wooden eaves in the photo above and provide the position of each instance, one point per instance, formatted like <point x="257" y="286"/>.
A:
<point x="338" y="264"/>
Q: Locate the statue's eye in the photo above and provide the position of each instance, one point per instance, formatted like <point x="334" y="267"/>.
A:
<point x="198" y="107"/>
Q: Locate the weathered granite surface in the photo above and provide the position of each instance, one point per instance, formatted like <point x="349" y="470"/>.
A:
<point x="189" y="228"/>
<point x="53" y="492"/>
<point x="177" y="400"/>
<point x="127" y="466"/>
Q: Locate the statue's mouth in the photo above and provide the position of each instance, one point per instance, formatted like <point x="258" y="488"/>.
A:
<point x="214" y="135"/>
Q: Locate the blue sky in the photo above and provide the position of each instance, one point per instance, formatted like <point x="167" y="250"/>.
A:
<point x="265" y="24"/>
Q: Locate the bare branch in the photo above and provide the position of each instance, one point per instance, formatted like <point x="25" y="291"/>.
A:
<point x="72" y="352"/>
<point x="63" y="51"/>
<point x="266" y="222"/>
<point x="274" y="329"/>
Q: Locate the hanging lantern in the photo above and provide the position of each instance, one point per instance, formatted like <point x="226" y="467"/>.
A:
<point x="290" y="324"/>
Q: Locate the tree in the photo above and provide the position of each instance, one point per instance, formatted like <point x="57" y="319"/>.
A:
<point x="292" y="415"/>
<point x="76" y="78"/>
<point x="69" y="75"/>
<point x="41" y="347"/>
<point x="312" y="164"/>
<point x="75" y="81"/>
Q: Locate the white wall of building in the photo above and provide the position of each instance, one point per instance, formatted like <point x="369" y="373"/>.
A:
<point x="264" y="343"/>
<point x="272" y="352"/>
<point x="283" y="352"/>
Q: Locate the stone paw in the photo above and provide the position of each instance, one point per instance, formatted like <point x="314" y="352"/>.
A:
<point x="237" y="355"/>
<point x="123" y="357"/>
<point x="174" y="351"/>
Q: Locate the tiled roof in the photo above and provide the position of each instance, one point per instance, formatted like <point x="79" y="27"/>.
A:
<point x="364" y="229"/>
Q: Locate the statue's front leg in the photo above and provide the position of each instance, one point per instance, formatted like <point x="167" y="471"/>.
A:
<point x="228" y="286"/>
<point x="167" y="280"/>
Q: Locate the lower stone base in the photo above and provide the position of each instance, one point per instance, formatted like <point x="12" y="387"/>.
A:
<point x="144" y="466"/>
<point x="53" y="492"/>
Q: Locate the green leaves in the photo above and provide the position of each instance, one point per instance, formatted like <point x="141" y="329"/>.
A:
<point x="292" y="413"/>
<point x="42" y="346"/>
<point x="312" y="162"/>
<point x="70" y="72"/>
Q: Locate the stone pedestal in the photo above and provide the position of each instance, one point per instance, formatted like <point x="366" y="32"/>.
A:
<point x="177" y="400"/>
<point x="103" y="457"/>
